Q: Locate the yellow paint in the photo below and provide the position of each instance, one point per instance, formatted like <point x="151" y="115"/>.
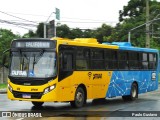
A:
<point x="65" y="89"/>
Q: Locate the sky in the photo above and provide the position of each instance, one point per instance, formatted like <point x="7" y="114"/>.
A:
<point x="75" y="13"/>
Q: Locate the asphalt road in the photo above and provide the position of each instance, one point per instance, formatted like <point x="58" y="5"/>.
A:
<point x="115" y="108"/>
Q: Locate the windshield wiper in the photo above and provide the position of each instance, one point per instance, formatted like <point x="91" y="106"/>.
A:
<point x="22" y="56"/>
<point x="35" y="61"/>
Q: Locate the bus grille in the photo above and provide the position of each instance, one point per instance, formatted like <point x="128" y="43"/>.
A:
<point x="34" y="95"/>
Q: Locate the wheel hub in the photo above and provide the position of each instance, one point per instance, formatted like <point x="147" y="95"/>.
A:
<point x="79" y="97"/>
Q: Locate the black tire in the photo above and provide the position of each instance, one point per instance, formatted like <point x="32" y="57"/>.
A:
<point x="79" y="99"/>
<point x="37" y="104"/>
<point x="133" y="93"/>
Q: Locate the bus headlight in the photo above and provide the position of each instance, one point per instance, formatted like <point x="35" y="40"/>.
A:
<point x="10" y="88"/>
<point x="48" y="89"/>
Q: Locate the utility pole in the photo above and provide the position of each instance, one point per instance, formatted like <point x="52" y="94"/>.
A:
<point x="45" y="25"/>
<point x="147" y="25"/>
<point x="52" y="23"/>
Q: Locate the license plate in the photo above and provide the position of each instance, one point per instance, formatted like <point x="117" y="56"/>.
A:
<point x="26" y="96"/>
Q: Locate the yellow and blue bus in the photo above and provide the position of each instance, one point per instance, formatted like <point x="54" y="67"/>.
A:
<point x="63" y="70"/>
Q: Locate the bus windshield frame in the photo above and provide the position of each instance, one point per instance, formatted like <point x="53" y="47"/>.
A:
<point x="33" y="64"/>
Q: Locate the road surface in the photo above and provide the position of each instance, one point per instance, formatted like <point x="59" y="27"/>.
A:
<point x="147" y="106"/>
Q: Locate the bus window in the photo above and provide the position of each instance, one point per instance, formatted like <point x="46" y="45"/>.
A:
<point x="122" y="60"/>
<point x="110" y="59"/>
<point x="97" y="59"/>
<point x="152" y="61"/>
<point x="133" y="60"/>
<point x="144" y="61"/>
<point x="67" y="61"/>
<point x="82" y="59"/>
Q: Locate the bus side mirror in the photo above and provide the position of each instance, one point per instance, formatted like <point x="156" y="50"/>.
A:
<point x="5" y="58"/>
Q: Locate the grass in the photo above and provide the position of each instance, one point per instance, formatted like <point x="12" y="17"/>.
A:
<point x="2" y="86"/>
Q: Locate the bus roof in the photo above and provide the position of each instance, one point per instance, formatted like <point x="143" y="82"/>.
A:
<point x="120" y="45"/>
<point x="92" y="42"/>
<point x="128" y="46"/>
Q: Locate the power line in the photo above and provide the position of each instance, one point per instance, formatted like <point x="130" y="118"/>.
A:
<point x="18" y="23"/>
<point x="17" y="26"/>
<point x="68" y="18"/>
<point x="16" y="17"/>
<point x="87" y="22"/>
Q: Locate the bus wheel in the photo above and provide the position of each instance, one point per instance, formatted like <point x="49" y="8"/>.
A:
<point x="37" y="104"/>
<point x="133" y="93"/>
<point x="79" y="99"/>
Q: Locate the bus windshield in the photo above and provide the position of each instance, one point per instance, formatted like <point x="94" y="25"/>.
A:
<point x="40" y="64"/>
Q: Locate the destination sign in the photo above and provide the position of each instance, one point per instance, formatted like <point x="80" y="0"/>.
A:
<point x="33" y="44"/>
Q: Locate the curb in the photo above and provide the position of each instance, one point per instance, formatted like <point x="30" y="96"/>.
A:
<point x="3" y="91"/>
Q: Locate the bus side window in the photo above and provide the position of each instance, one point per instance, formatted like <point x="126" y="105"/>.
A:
<point x="145" y="61"/>
<point x="67" y="62"/>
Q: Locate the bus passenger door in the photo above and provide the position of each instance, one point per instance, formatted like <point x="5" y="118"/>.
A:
<point x="65" y="75"/>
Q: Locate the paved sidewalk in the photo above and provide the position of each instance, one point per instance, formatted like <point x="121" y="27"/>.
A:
<point x="3" y="91"/>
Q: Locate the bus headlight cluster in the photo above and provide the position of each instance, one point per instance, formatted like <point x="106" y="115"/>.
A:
<point x="48" y="89"/>
<point x="10" y="88"/>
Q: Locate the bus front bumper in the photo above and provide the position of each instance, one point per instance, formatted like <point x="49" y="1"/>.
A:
<point x="33" y="96"/>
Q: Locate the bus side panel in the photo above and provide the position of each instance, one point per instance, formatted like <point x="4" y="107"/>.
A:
<point x="95" y="82"/>
<point x="149" y="81"/>
<point x="121" y="82"/>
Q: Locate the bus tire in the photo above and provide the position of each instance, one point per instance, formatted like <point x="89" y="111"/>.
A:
<point x="79" y="99"/>
<point x="133" y="93"/>
<point x="37" y="104"/>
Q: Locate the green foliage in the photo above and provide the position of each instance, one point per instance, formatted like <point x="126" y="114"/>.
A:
<point x="63" y="31"/>
<point x="133" y="9"/>
<point x="6" y="36"/>
<point x="133" y="15"/>
<point x="30" y="34"/>
<point x="88" y="33"/>
<point x="40" y="30"/>
<point x="76" y="33"/>
<point x="103" y="33"/>
<point x="2" y="86"/>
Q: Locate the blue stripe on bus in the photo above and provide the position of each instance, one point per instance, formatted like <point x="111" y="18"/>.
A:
<point x="138" y="49"/>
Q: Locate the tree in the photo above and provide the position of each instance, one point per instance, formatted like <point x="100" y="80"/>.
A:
<point x="132" y="15"/>
<point x="30" y="34"/>
<point x="76" y="33"/>
<point x="88" y="33"/>
<point x="6" y="36"/>
<point x="103" y="32"/>
<point x="63" y="31"/>
<point x="133" y="9"/>
<point x="40" y="30"/>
